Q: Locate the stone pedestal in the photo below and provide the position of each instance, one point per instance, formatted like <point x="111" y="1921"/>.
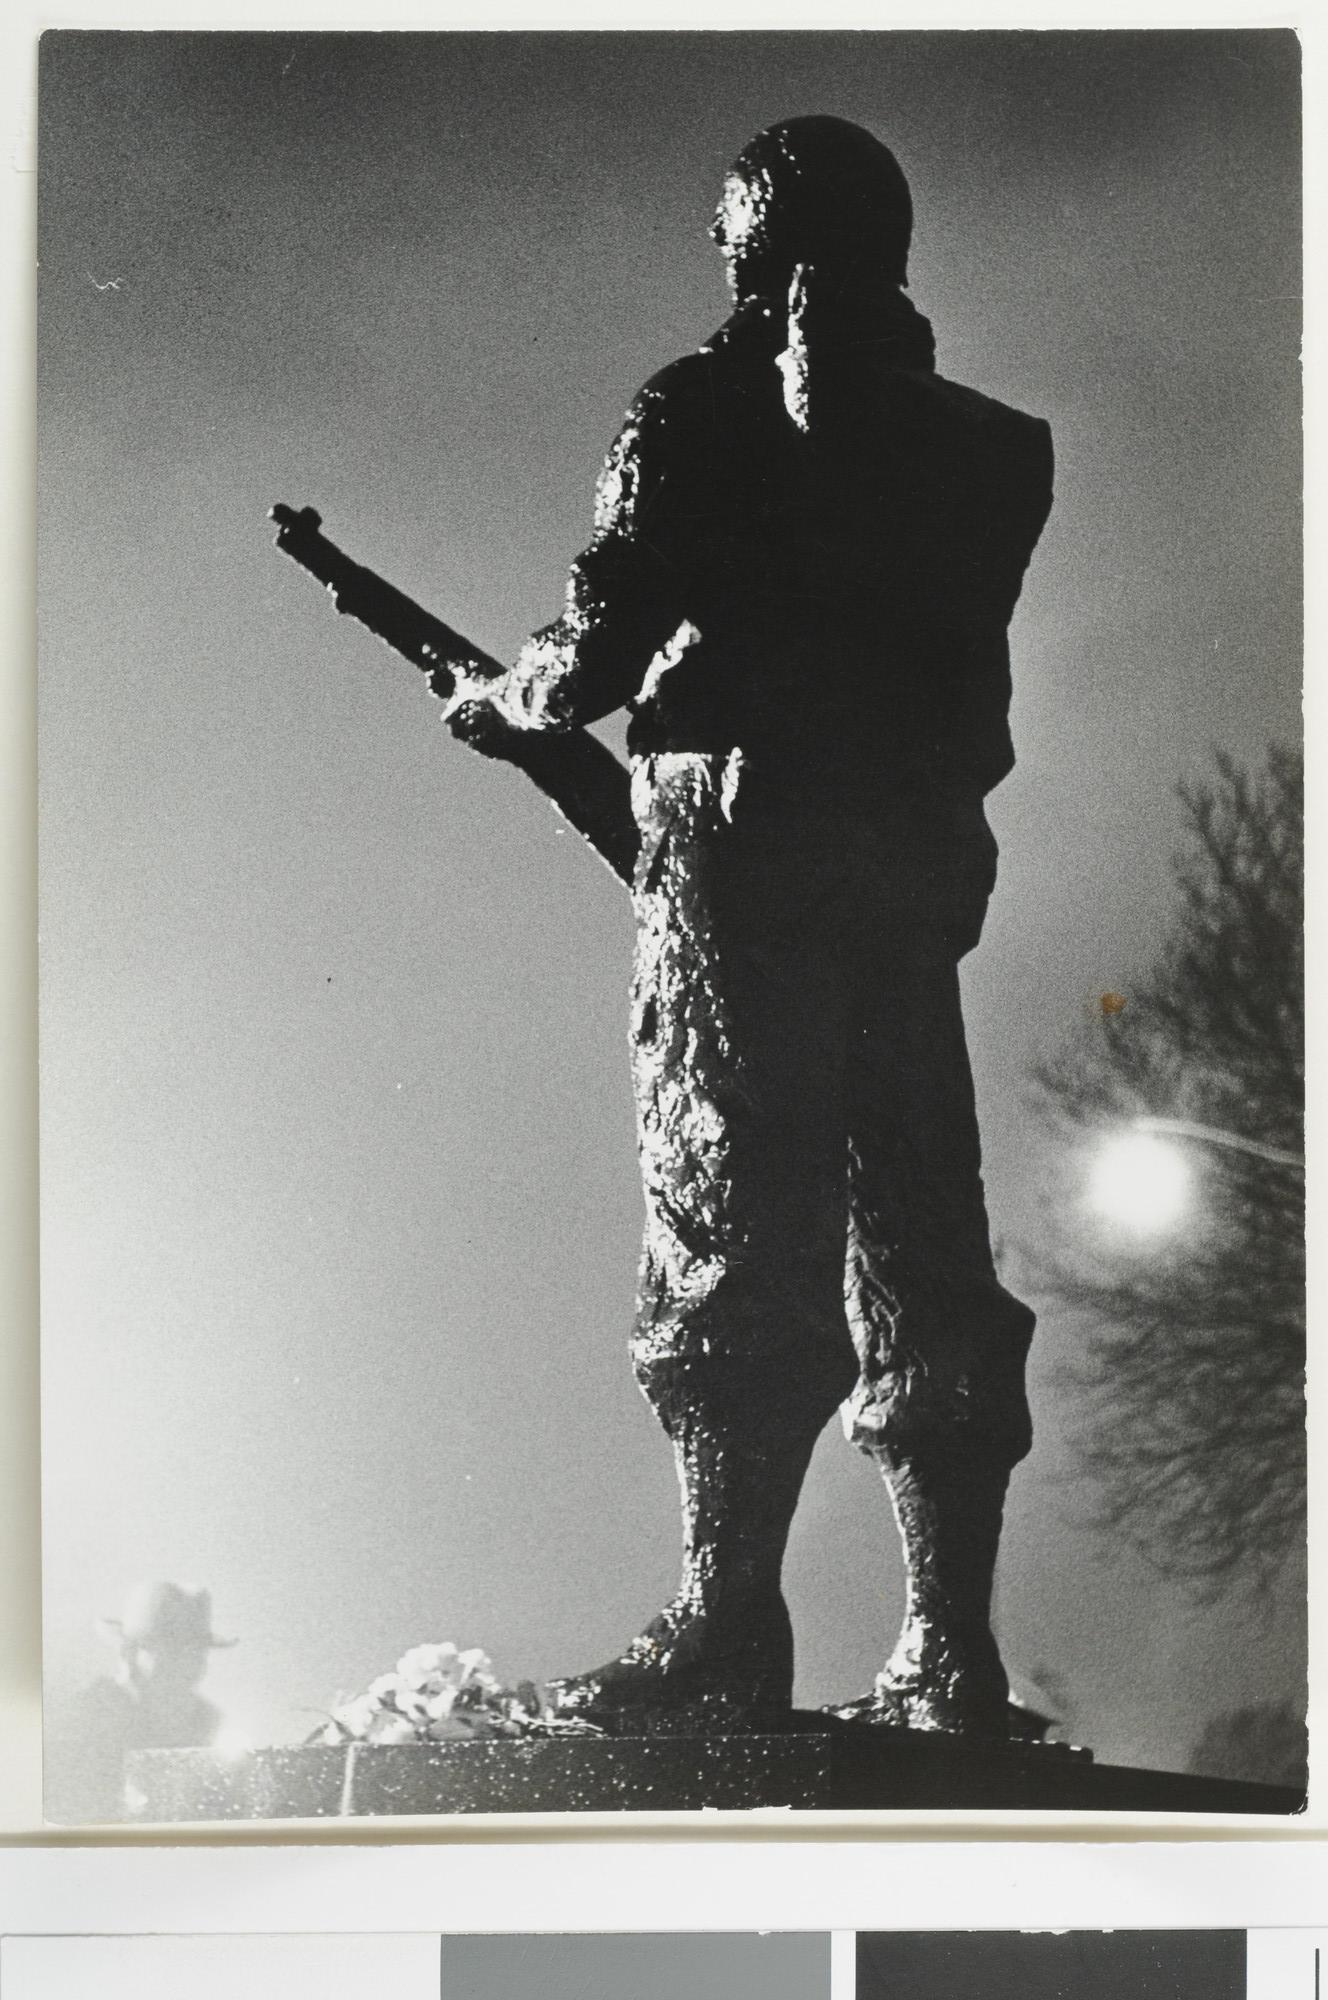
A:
<point x="828" y="1766"/>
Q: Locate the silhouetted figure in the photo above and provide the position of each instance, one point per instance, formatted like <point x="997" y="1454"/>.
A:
<point x="165" y="1638"/>
<point x="808" y="546"/>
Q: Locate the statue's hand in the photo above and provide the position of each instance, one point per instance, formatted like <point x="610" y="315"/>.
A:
<point x="478" y="724"/>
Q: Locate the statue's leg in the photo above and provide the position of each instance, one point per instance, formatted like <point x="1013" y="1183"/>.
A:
<point x="740" y="1345"/>
<point x="940" y="1402"/>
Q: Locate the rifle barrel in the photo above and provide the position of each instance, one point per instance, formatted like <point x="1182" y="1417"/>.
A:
<point x="584" y="780"/>
<point x="388" y="613"/>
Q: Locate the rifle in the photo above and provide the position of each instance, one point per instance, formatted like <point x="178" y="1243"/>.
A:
<point x="583" y="779"/>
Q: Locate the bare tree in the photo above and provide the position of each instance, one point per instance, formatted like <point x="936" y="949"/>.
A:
<point x="1265" y="1742"/>
<point x="1188" y="1345"/>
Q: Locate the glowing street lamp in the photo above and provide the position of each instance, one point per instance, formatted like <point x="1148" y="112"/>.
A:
<point x="1143" y="1182"/>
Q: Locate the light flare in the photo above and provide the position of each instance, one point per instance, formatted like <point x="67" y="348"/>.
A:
<point x="1141" y="1181"/>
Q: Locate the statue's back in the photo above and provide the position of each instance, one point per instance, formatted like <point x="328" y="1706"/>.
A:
<point x="851" y="575"/>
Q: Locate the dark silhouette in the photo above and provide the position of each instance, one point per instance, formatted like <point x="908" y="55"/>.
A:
<point x="164" y="1637"/>
<point x="808" y="546"/>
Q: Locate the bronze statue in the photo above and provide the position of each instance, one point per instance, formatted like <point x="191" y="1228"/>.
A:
<point x="808" y="547"/>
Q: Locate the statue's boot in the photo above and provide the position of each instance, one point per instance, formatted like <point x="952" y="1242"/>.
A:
<point x="719" y="1657"/>
<point x="945" y="1671"/>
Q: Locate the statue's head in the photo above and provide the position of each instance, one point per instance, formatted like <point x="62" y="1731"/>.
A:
<point x="812" y="191"/>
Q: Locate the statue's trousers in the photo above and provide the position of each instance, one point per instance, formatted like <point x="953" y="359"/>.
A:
<point x="816" y="1231"/>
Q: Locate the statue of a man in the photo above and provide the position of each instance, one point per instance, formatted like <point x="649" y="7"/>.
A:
<point x="808" y="546"/>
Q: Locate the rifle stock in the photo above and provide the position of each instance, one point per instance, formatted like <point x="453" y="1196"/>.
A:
<point x="583" y="780"/>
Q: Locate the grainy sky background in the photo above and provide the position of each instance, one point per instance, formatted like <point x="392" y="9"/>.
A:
<point x="340" y="1208"/>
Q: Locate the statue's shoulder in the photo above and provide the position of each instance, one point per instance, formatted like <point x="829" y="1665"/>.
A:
<point x="685" y="384"/>
<point x="1008" y="454"/>
<point x="743" y="347"/>
<point x="1001" y="422"/>
<point x="657" y="444"/>
<point x="676" y="389"/>
<point x="678" y="420"/>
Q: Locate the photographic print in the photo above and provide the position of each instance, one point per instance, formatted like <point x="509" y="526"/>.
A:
<point x="746" y="990"/>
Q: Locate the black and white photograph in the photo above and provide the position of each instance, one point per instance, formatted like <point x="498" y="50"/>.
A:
<point x="672" y="1042"/>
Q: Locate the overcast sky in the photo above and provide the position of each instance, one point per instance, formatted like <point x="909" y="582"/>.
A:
<point x="340" y="1198"/>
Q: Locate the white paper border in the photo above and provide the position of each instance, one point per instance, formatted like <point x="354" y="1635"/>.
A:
<point x="629" y="1886"/>
<point x="20" y="1806"/>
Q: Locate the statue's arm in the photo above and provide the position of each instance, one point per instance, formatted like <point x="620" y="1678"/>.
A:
<point x="625" y="595"/>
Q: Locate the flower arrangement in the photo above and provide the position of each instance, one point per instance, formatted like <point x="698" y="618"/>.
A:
<point x="439" y="1694"/>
